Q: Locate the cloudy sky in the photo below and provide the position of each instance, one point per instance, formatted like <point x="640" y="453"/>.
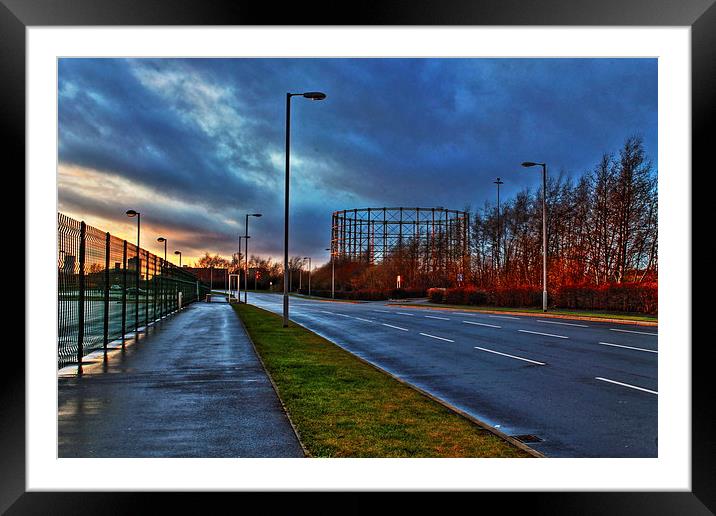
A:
<point x="195" y="144"/>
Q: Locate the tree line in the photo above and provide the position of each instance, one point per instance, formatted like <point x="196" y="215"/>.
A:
<point x="602" y="229"/>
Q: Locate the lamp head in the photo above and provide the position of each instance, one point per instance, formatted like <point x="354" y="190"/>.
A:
<point x="177" y="252"/>
<point x="530" y="164"/>
<point x="255" y="214"/>
<point x="314" y="95"/>
<point x="161" y="239"/>
<point x="132" y="213"/>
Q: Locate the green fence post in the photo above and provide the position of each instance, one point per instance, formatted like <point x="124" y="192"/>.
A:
<point x="154" y="290"/>
<point x="81" y="299"/>
<point x="106" y="295"/>
<point x="146" y="292"/>
<point x="124" y="292"/>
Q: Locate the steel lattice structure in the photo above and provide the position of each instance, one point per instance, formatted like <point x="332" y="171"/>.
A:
<point x="437" y="238"/>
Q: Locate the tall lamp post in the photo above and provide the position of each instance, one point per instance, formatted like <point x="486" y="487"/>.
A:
<point x="164" y="240"/>
<point x="179" y="253"/>
<point x="246" y="255"/>
<point x="544" y="229"/>
<point x="309" y="274"/>
<point x="313" y="95"/>
<point x="333" y="274"/>
<point x="238" y="294"/>
<point x="498" y="182"/>
<point x="132" y="213"/>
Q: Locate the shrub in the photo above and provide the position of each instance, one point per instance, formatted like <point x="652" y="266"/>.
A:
<point x="475" y="296"/>
<point x="619" y="297"/>
<point x="520" y="296"/>
<point x="436" y="295"/>
<point x="454" y="296"/>
<point x="405" y="293"/>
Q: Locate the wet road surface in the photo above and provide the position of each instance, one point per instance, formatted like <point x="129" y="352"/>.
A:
<point x="583" y="388"/>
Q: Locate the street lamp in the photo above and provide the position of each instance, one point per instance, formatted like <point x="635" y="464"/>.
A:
<point x="544" y="229"/>
<point x="179" y="253"/>
<point x="238" y="294"/>
<point x="498" y="182"/>
<point x="333" y="274"/>
<point x="246" y="255"/>
<point x="312" y="95"/>
<point x="132" y="213"/>
<point x="309" y="274"/>
<point x="162" y="239"/>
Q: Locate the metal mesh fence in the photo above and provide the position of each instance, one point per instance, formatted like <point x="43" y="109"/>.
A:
<point x="107" y="288"/>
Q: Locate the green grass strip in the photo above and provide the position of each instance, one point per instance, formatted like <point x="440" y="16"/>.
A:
<point x="343" y="407"/>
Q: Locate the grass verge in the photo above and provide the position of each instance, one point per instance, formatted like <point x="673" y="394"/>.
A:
<point x="581" y="313"/>
<point x="343" y="407"/>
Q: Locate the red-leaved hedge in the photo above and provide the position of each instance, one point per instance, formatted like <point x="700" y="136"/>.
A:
<point x="370" y="294"/>
<point x="625" y="297"/>
<point x="619" y="297"/>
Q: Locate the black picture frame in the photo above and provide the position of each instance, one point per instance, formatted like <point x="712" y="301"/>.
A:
<point x="700" y="15"/>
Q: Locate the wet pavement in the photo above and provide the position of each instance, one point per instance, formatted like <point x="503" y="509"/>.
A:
<point x="192" y="386"/>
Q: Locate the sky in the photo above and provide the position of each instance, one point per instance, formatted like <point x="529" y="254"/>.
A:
<point x="195" y="144"/>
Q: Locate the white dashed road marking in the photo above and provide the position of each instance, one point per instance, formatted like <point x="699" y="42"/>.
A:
<point x="625" y="385"/>
<point x="631" y="331"/>
<point x="396" y="327"/>
<point x="365" y="320"/>
<point x="403" y="313"/>
<point x="545" y="334"/>
<point x="344" y="315"/>
<point x="436" y="337"/>
<point x="511" y="356"/>
<point x="563" y="323"/>
<point x="482" y="324"/>
<point x="434" y="317"/>
<point x="628" y="347"/>
<point x="504" y="317"/>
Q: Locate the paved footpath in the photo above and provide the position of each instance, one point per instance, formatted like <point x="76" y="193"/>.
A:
<point x="192" y="387"/>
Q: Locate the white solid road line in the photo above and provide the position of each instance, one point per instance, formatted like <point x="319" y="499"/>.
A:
<point x="403" y="313"/>
<point x="563" y="323"/>
<point x="628" y="347"/>
<point x="632" y="331"/>
<point x="511" y="356"/>
<point x="396" y="327"/>
<point x="545" y="334"/>
<point x="482" y="324"/>
<point x="436" y="337"/>
<point x="625" y="385"/>
<point x="504" y="317"/>
<point x="434" y="317"/>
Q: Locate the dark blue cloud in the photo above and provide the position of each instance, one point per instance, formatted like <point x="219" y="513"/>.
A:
<point x="207" y="135"/>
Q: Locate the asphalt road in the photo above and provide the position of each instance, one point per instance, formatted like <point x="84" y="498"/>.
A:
<point x="586" y="389"/>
